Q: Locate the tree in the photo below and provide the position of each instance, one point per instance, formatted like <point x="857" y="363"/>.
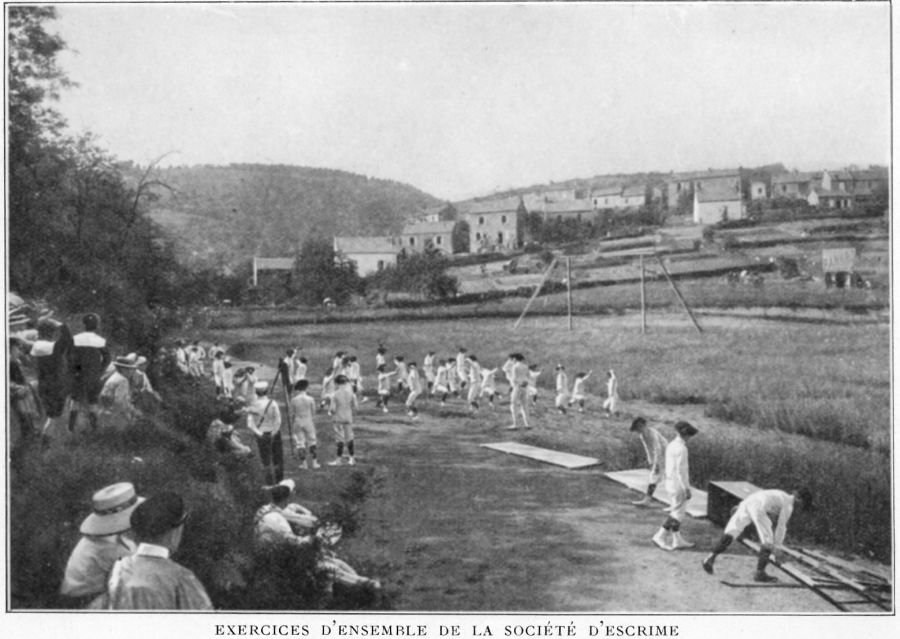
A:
<point x="459" y="240"/>
<point x="422" y="273"/>
<point x="319" y="273"/>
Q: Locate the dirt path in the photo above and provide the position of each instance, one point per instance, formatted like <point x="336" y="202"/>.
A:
<point x="458" y="527"/>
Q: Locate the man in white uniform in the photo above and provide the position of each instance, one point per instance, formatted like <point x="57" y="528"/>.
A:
<point x="518" y="403"/>
<point x="761" y="509"/>
<point x="655" y="447"/>
<point x="679" y="486"/>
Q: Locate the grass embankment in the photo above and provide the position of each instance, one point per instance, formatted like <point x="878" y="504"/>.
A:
<point x="812" y="402"/>
<point x="51" y="494"/>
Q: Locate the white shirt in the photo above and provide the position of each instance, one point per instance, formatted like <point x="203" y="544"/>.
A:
<point x="677" y="465"/>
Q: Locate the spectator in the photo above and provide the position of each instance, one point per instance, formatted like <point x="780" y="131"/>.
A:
<point x="225" y="440"/>
<point x="281" y="521"/>
<point x="149" y="579"/>
<point x="181" y="358"/>
<point x="22" y="398"/>
<point x="116" y="398"/>
<point x="49" y="353"/>
<point x="90" y="357"/>
<point x="104" y="540"/>
<point x="264" y="421"/>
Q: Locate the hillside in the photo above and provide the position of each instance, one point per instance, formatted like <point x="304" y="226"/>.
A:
<point x="222" y="215"/>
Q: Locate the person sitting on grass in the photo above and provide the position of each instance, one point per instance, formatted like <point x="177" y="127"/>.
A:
<point x="655" y="447"/>
<point x="225" y="440"/>
<point x="761" y="509"/>
<point x="280" y="521"/>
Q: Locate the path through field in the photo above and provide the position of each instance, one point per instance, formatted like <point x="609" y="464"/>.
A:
<point x="458" y="527"/>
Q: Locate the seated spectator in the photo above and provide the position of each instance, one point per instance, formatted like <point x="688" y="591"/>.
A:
<point x="149" y="579"/>
<point x="281" y="521"/>
<point x="22" y="397"/>
<point x="104" y="540"/>
<point x="225" y="440"/>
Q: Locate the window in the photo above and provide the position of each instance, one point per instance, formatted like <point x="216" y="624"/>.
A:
<point x="499" y="237"/>
<point x="478" y="236"/>
<point x="438" y="240"/>
<point x="481" y="220"/>
<point x="380" y="265"/>
<point x="412" y="241"/>
<point x="503" y="219"/>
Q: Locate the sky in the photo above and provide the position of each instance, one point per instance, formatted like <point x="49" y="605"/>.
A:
<point x="462" y="99"/>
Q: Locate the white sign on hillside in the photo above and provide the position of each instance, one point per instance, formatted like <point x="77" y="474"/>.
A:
<point x="838" y="259"/>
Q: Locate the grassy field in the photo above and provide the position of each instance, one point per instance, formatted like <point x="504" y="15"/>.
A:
<point x="786" y="402"/>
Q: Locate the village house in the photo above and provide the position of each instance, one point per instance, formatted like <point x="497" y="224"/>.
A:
<point x="418" y="236"/>
<point x="494" y="225"/>
<point x="830" y="199"/>
<point x="438" y="213"/>
<point x="574" y="210"/>
<point x="795" y="184"/>
<point x="370" y="254"/>
<point x="717" y="203"/>
<point x="690" y="182"/>
<point x="609" y="197"/>
<point x="758" y="190"/>
<point x="634" y="196"/>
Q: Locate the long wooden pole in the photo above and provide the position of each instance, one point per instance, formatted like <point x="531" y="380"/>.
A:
<point x="535" y="294"/>
<point x="569" y="288"/>
<point x="678" y="294"/>
<point x="643" y="301"/>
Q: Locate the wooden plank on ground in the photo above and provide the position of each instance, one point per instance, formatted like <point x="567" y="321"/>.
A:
<point x="638" y="478"/>
<point x="566" y="460"/>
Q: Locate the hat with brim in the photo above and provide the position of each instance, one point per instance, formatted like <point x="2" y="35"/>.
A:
<point x="16" y="318"/>
<point x="261" y="387"/>
<point x="126" y="361"/>
<point x="112" y="507"/>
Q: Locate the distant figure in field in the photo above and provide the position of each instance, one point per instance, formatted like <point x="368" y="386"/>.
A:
<point x="402" y="373"/>
<point x="384" y="387"/>
<point x="149" y="579"/>
<point x="518" y="404"/>
<point x="761" y="509"/>
<point x="678" y="484"/>
<point x="562" y="389"/>
<point x="611" y="403"/>
<point x="343" y="405"/>
<point x="487" y="384"/>
<point x="428" y="370"/>
<point x="461" y="372"/>
<point x="533" y="373"/>
<point x="414" y="380"/>
<point x="89" y="360"/>
<point x="303" y="408"/>
<point x="578" y="395"/>
<point x="181" y="358"/>
<point x="474" y="382"/>
<point x="218" y="371"/>
<point x="655" y="447"/>
<point x="442" y="381"/>
<point x="380" y="359"/>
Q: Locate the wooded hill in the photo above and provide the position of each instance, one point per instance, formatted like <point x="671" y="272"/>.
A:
<point x="223" y="215"/>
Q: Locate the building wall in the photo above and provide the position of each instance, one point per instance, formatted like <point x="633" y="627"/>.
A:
<point x="713" y="212"/>
<point x="634" y="201"/>
<point x="498" y="231"/>
<point x="579" y="216"/>
<point x="416" y="242"/>
<point x="607" y="201"/>
<point x="758" y="191"/>
<point x="368" y="263"/>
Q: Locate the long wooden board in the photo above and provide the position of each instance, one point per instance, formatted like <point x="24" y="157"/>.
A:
<point x="638" y="478"/>
<point x="566" y="460"/>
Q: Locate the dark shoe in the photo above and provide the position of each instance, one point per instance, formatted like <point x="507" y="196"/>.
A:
<point x="707" y="565"/>
<point x="764" y="578"/>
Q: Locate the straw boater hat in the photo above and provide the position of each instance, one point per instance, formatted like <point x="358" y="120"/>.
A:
<point x="261" y="388"/>
<point x="126" y="361"/>
<point x="112" y="508"/>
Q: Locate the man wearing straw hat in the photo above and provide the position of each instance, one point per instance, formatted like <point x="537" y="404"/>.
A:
<point x="149" y="579"/>
<point x="104" y="541"/>
<point x="264" y="421"/>
<point x="115" y="396"/>
<point x="90" y="357"/>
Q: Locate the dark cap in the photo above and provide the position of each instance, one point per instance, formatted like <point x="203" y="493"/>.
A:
<point x="637" y="424"/>
<point x="685" y="429"/>
<point x="91" y="321"/>
<point x="158" y="515"/>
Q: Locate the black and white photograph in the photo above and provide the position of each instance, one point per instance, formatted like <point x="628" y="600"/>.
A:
<point x="449" y="320"/>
